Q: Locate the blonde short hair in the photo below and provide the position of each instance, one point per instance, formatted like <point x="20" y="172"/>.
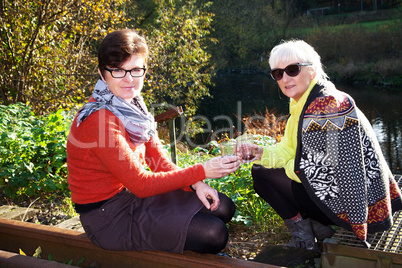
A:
<point x="301" y="52"/>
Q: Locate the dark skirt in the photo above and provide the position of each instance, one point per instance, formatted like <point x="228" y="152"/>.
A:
<point x="126" y="222"/>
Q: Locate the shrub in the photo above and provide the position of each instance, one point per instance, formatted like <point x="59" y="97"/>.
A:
<point x="32" y="151"/>
<point x="33" y="162"/>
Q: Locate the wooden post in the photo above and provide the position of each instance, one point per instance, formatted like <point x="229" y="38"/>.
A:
<point x="169" y="116"/>
<point x="172" y="136"/>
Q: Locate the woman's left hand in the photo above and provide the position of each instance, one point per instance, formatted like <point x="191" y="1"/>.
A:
<point x="206" y="194"/>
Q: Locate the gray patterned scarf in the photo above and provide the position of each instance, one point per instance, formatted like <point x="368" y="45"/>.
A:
<point x="139" y="123"/>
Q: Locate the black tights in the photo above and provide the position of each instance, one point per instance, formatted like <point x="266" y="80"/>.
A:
<point x="207" y="232"/>
<point x="285" y="196"/>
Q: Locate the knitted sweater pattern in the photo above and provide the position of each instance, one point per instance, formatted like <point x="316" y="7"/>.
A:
<point x="340" y="163"/>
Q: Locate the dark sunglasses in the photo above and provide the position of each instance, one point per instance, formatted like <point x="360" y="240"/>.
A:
<point x="291" y="70"/>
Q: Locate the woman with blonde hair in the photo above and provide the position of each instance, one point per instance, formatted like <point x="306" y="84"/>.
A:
<point x="328" y="169"/>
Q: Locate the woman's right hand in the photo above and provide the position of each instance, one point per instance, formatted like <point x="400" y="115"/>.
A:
<point x="250" y="149"/>
<point x="219" y="167"/>
<point x="206" y="194"/>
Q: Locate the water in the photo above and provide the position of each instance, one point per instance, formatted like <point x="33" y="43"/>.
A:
<point x="240" y="95"/>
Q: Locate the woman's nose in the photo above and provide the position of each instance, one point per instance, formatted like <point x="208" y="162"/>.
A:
<point x="128" y="77"/>
<point x="285" y="77"/>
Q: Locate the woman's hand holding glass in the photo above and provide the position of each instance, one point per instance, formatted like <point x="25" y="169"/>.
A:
<point x="258" y="151"/>
<point x="219" y="167"/>
<point x="249" y="152"/>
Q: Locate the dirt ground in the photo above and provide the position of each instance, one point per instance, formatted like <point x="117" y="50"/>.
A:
<point x="245" y="242"/>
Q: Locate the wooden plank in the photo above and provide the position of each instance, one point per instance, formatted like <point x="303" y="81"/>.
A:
<point x="17" y="213"/>
<point x="65" y="244"/>
<point x="12" y="260"/>
<point x="332" y="248"/>
<point x="170" y="114"/>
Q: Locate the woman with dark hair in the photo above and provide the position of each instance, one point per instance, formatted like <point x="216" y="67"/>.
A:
<point x="328" y="169"/>
<point x="122" y="205"/>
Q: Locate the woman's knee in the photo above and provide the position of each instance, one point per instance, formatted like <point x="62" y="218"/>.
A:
<point x="206" y="234"/>
<point x="218" y="237"/>
<point x="226" y="210"/>
<point x="269" y="180"/>
<point x="227" y="206"/>
<point x="257" y="173"/>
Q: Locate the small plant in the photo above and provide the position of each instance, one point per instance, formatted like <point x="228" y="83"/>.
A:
<point x="32" y="151"/>
<point x="251" y="209"/>
<point x="265" y="125"/>
<point x="38" y="252"/>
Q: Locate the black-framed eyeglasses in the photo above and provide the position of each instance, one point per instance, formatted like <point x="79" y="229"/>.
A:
<point x="121" y="73"/>
<point x="291" y="70"/>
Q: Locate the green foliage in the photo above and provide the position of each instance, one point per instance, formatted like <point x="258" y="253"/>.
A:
<point x="359" y="48"/>
<point x="196" y="156"/>
<point x="46" y="49"/>
<point x="250" y="208"/>
<point x="354" y="60"/>
<point x="179" y="65"/>
<point x="244" y="31"/>
<point x="32" y="151"/>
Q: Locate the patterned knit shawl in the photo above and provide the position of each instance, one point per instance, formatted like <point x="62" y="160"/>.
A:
<point x="138" y="122"/>
<point x="341" y="166"/>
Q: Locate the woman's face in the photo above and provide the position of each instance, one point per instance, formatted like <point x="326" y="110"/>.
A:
<point x="294" y="87"/>
<point x="127" y="87"/>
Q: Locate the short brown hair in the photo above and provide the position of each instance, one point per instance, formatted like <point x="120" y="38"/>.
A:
<point x="118" y="46"/>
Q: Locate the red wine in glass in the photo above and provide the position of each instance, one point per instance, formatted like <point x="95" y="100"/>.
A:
<point x="247" y="153"/>
<point x="248" y="157"/>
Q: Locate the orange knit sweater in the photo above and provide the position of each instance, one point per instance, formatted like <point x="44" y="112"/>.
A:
<point x="102" y="161"/>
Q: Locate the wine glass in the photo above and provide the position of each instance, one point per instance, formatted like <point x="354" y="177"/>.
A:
<point x="228" y="148"/>
<point x="245" y="145"/>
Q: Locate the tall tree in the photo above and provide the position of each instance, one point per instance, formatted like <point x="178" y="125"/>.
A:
<point x="46" y="48"/>
<point x="180" y="70"/>
<point x="245" y="30"/>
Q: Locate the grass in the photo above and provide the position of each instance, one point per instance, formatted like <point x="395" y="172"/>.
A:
<point x="354" y="48"/>
<point x="370" y="27"/>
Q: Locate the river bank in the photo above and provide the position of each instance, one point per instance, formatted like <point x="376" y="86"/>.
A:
<point x="351" y="74"/>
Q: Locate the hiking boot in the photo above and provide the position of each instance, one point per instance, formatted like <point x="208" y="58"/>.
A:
<point x="322" y="231"/>
<point x="302" y="235"/>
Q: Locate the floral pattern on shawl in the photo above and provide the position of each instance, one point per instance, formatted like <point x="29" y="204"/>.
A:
<point x="342" y="166"/>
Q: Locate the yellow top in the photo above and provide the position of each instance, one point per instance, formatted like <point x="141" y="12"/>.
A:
<point x="282" y="154"/>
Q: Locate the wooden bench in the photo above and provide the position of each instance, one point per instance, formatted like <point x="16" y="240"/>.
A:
<point x="65" y="244"/>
